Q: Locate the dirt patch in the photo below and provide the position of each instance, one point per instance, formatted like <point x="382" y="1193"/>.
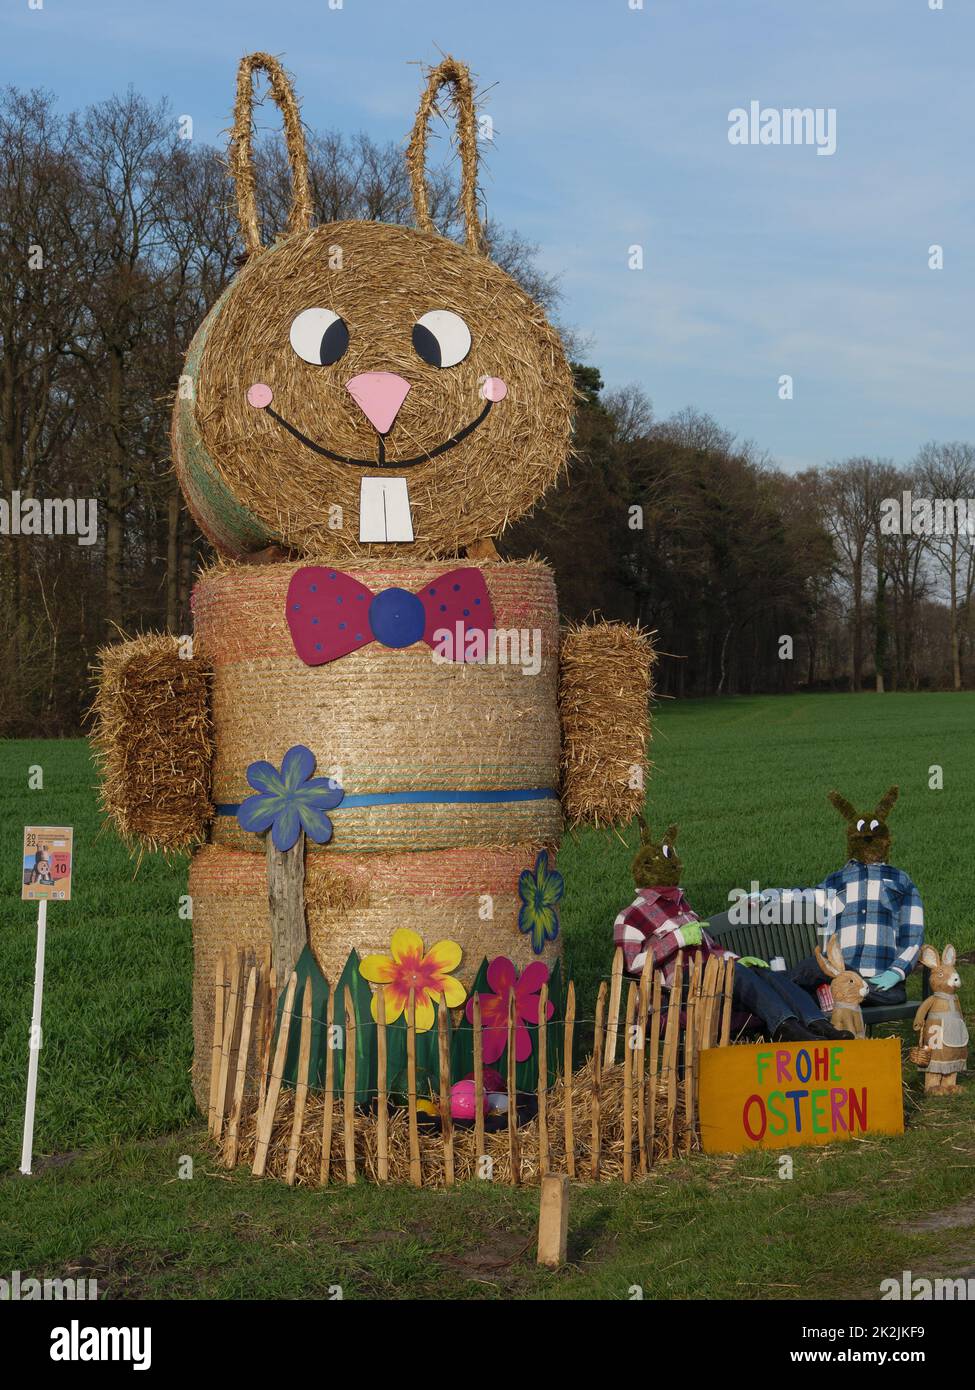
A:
<point x="492" y="1258"/>
<point x="961" y="1215"/>
<point x="123" y="1274"/>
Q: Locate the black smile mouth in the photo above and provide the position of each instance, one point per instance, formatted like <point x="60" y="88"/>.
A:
<point x="381" y="456"/>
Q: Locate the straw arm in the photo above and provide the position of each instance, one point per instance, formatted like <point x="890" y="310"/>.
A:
<point x="604" y="695"/>
<point x="152" y="739"/>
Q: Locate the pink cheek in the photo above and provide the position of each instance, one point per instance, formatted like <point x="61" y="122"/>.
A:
<point x="493" y="388"/>
<point x="259" y="395"/>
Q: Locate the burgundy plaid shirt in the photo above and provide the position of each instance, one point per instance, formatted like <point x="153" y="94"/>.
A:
<point x="652" y="923"/>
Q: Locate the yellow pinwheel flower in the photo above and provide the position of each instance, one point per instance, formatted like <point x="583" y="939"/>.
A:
<point x="408" y="968"/>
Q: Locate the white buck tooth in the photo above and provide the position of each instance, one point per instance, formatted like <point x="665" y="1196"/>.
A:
<point x="384" y="510"/>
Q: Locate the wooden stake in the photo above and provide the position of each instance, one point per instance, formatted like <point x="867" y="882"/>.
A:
<point x="705" y="1027"/>
<point x="553" y="1220"/>
<point x="227" y="1046"/>
<point x="382" y="1100"/>
<point x="669" y="1059"/>
<point x="615" y="997"/>
<point x="597" y="1071"/>
<point x="348" y="1094"/>
<point x="729" y="986"/>
<point x="274" y="1085"/>
<point x="478" y="1080"/>
<point x="514" y="1154"/>
<point x="301" y="1084"/>
<point x="329" y="1114"/>
<point x="570" y="1018"/>
<point x="643" y="1002"/>
<point x="416" y="1172"/>
<point x="654" y="1059"/>
<point x="446" y="1119"/>
<point x="267" y="1026"/>
<point x="629" y="1054"/>
<point x="542" y="1080"/>
<point x="219" y="1007"/>
<point x="689" y="1050"/>
<point x="240" y="1078"/>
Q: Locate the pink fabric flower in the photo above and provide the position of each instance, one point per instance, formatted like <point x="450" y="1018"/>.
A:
<point x="503" y="979"/>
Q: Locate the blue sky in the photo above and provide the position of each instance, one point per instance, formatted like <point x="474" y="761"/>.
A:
<point x="612" y="130"/>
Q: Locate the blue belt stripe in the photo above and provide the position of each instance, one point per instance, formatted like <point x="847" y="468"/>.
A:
<point x="350" y="803"/>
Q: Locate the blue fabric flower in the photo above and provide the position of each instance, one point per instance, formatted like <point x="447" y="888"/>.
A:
<point x="540" y="889"/>
<point x="290" y="800"/>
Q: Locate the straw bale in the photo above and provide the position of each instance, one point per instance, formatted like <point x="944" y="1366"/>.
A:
<point x="153" y="741"/>
<point x="382" y="720"/>
<point x="604" y="695"/>
<point x="357" y="901"/>
<point x="249" y="482"/>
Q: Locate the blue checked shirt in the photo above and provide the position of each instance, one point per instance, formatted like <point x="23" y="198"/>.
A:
<point x="878" y="914"/>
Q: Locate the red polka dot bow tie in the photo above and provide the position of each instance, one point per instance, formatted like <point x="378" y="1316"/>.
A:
<point x="330" y="614"/>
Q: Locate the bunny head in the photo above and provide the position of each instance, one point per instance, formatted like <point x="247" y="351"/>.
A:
<point x="847" y="986"/>
<point x="354" y="358"/>
<point x="656" y="864"/>
<point x="944" y="971"/>
<point x="867" y="836"/>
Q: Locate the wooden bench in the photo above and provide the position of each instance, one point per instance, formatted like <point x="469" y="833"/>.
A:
<point x="794" y="941"/>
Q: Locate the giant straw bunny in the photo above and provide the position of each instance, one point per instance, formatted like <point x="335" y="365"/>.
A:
<point x="378" y="724"/>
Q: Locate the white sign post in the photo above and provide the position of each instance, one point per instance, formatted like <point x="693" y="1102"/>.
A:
<point x="47" y="867"/>
<point x="35" y="1039"/>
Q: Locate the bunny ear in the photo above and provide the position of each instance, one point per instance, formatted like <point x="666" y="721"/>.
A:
<point x="835" y="954"/>
<point x="842" y="805"/>
<point x="886" y="803"/>
<point x="644" y="828"/>
<point x="826" y="966"/>
<point x="671" y="835"/>
<point x="930" y="958"/>
<point x="948" y="956"/>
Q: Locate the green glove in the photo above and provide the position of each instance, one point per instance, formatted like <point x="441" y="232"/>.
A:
<point x="754" y="960"/>
<point x="885" y="981"/>
<point x="691" y="934"/>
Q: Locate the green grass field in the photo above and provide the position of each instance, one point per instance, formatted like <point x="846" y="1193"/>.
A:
<point x="746" y="780"/>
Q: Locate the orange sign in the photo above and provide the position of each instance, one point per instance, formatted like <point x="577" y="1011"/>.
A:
<point x="47" y="863"/>
<point x="783" y="1095"/>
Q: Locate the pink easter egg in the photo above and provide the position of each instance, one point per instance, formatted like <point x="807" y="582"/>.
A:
<point x="462" y="1100"/>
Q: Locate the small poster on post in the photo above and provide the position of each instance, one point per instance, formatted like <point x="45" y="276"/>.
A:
<point x="47" y="863"/>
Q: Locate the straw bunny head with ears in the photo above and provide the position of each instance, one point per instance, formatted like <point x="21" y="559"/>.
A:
<point x="847" y="986"/>
<point x="867" y="836"/>
<point x="359" y="361"/>
<point x="943" y="967"/>
<point x="655" y="864"/>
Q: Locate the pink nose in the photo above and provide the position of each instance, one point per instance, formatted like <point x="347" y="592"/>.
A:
<point x="379" y="396"/>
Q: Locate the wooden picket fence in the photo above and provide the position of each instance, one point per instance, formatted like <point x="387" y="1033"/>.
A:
<point x="606" y="1119"/>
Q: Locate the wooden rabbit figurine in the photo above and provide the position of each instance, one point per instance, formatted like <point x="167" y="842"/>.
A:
<point x="848" y="988"/>
<point x="943" y="1041"/>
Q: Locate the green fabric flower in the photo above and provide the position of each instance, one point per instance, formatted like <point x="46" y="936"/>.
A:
<point x="540" y="889"/>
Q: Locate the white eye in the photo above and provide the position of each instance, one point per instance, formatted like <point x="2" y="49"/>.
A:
<point x="441" y="338"/>
<point x="861" y="824"/>
<point x="666" y="850"/>
<point x="319" y="336"/>
<point x="874" y="824"/>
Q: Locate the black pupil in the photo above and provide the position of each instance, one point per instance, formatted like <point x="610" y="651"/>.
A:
<point x="426" y="345"/>
<point x="335" y="340"/>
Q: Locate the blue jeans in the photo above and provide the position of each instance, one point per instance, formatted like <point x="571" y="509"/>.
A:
<point x="809" y="975"/>
<point x="772" y="997"/>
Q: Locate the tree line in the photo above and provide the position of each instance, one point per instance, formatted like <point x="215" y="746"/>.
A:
<point x="116" y="237"/>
